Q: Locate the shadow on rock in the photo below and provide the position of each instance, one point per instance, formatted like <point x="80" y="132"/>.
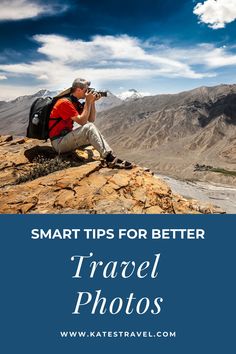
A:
<point x="45" y="160"/>
<point x="37" y="151"/>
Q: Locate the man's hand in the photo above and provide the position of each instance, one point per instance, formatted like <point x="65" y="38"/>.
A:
<point x="98" y="96"/>
<point x="90" y="97"/>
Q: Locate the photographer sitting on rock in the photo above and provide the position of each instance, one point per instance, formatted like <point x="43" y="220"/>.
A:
<point x="70" y="110"/>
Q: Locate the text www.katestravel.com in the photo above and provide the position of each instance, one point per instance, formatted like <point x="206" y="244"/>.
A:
<point x="117" y="334"/>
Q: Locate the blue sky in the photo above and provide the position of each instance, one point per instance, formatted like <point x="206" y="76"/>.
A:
<point x="153" y="46"/>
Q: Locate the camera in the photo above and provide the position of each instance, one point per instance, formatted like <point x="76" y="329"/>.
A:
<point x="102" y="93"/>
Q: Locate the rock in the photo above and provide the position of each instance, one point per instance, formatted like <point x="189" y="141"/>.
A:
<point x="5" y="138"/>
<point x="154" y="210"/>
<point x="120" y="180"/>
<point x="79" y="183"/>
<point x="18" y="141"/>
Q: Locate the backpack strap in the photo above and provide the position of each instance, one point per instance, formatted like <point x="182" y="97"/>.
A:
<point x="74" y="100"/>
<point x="57" y="120"/>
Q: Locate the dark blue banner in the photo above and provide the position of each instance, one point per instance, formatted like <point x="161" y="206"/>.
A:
<point x="111" y="283"/>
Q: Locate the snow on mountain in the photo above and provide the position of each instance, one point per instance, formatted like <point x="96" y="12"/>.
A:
<point x="132" y="94"/>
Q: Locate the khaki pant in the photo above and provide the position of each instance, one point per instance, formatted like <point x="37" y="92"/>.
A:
<point x="87" y="134"/>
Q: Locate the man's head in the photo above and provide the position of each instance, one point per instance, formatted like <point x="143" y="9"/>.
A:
<point x="79" y="87"/>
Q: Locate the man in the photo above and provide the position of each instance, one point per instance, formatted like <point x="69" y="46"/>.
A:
<point x="65" y="139"/>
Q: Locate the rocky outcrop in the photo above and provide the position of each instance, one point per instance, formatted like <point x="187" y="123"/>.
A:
<point x="84" y="185"/>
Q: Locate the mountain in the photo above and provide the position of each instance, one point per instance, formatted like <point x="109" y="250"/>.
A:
<point x="108" y="102"/>
<point x="131" y="95"/>
<point x="172" y="133"/>
<point x="34" y="180"/>
<point x="14" y="114"/>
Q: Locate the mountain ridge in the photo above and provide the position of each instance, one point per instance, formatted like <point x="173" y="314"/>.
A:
<point x="172" y="133"/>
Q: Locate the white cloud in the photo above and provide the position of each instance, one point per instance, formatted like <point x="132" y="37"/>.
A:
<point x="43" y="77"/>
<point x="216" y="13"/>
<point x="104" y="50"/>
<point x="11" y="10"/>
<point x="104" y="60"/>
<point x="3" y="77"/>
<point x="125" y="55"/>
<point x="204" y="54"/>
<point x="109" y="60"/>
<point x="218" y="57"/>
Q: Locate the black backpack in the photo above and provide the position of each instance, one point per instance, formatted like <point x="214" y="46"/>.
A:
<point x="38" y="127"/>
<point x="39" y="118"/>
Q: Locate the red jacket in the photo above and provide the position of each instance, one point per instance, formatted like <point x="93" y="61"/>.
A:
<point x="64" y="109"/>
